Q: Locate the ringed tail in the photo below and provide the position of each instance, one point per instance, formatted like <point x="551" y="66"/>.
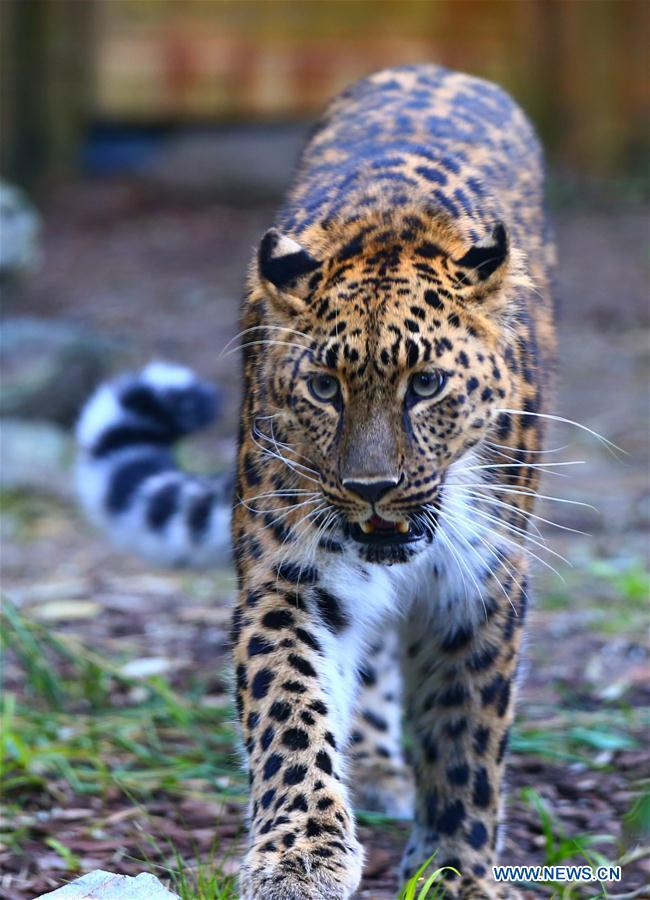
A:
<point x="127" y="478"/>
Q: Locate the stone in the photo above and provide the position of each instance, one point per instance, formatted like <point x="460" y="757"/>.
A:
<point x="36" y="456"/>
<point x="19" y="226"/>
<point x="100" y="885"/>
<point x="48" y="368"/>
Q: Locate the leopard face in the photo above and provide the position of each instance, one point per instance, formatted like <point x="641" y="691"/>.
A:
<point x="386" y="365"/>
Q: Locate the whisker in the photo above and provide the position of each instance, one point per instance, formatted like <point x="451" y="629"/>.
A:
<point x="281" y="493"/>
<point x="526" y="549"/>
<point x="547" y="466"/>
<point x="266" y="451"/>
<point x="528" y="552"/>
<point x="447" y="521"/>
<point x="281" y="444"/>
<point x="505" y="489"/>
<point x="525" y="450"/>
<point x="265" y="343"/>
<point x="330" y="519"/>
<point x="295" y="467"/>
<point x="467" y="569"/>
<point x="294" y="531"/>
<point x="289" y="508"/>
<point x="441" y="534"/>
<point x="610" y="445"/>
<point x="513" y="459"/>
<point x="527" y="515"/>
<point x="264" y="328"/>
<point x="515" y="510"/>
<point x="513" y="529"/>
<point x="499" y="555"/>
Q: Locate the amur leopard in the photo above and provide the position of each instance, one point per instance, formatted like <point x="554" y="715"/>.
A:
<point x="397" y="342"/>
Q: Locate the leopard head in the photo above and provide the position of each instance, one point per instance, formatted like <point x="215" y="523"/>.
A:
<point x="385" y="360"/>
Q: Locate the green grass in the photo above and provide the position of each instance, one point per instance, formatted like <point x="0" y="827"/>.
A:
<point x="71" y="861"/>
<point x="615" y="592"/>
<point x="200" y="878"/>
<point x="561" y="849"/>
<point x="637" y="819"/>
<point x="425" y="885"/>
<point x="80" y="724"/>
<point x="205" y="881"/>
<point x="572" y="736"/>
<point x="91" y="726"/>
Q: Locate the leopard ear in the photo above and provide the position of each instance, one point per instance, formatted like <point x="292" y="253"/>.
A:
<point x="484" y="264"/>
<point x="286" y="266"/>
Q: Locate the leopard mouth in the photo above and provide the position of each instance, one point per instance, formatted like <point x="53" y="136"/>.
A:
<point x="380" y="532"/>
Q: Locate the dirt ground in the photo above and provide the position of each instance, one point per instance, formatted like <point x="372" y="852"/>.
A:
<point x="164" y="277"/>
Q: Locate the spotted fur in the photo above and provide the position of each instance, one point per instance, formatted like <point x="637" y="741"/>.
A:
<point x="395" y="315"/>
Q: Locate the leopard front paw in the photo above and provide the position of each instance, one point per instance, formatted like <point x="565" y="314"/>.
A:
<point x="327" y="870"/>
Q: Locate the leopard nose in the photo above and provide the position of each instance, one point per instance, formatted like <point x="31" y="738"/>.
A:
<point x="370" y="491"/>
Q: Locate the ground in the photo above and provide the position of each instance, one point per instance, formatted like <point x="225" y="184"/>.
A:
<point x="118" y="730"/>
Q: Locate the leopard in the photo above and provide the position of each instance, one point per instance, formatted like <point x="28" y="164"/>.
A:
<point x="397" y="347"/>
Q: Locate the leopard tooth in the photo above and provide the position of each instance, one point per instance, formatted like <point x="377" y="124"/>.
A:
<point x="366" y="527"/>
<point x="403" y="526"/>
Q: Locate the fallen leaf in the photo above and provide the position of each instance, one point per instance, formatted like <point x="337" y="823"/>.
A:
<point x="146" y="666"/>
<point x="66" y="610"/>
<point x="70" y="815"/>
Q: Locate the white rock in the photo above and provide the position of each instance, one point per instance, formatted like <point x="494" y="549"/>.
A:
<point x="36" y="456"/>
<point x="19" y="247"/>
<point x="99" y="885"/>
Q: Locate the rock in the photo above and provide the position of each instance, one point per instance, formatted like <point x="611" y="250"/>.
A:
<point x="35" y="456"/>
<point x="19" y="226"/>
<point x="49" y="367"/>
<point x="100" y="885"/>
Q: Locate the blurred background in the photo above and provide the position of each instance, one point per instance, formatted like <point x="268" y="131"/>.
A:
<point x="144" y="145"/>
<point x="104" y="86"/>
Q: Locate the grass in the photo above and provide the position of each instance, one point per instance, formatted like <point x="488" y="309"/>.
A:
<point x="581" y="737"/>
<point x="615" y="592"/>
<point x="561" y="849"/>
<point x="86" y="729"/>
<point x="93" y="727"/>
<point x="84" y="726"/>
<point x="198" y="878"/>
<point x="81" y="725"/>
<point x="423" y="885"/>
<point x="206" y="881"/>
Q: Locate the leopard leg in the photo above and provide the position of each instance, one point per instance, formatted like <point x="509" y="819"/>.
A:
<point x="381" y="780"/>
<point x="298" y="640"/>
<point x="459" y="680"/>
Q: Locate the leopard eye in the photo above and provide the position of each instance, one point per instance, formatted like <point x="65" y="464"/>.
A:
<point x="324" y="387"/>
<point x="424" y="385"/>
